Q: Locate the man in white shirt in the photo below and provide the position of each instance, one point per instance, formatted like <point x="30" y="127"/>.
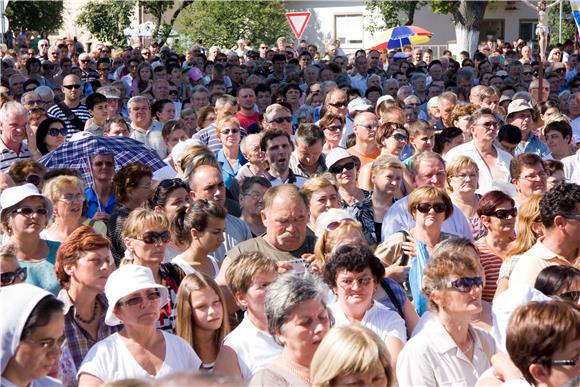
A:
<point x="143" y="127"/>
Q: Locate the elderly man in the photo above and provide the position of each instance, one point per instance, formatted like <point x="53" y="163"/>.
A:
<point x="560" y="214"/>
<point x="206" y="182"/>
<point x="160" y="89"/>
<point x="534" y="91"/>
<point x="226" y="105"/>
<point x="257" y="164"/>
<point x="447" y="102"/>
<point x="252" y="192"/>
<point x="31" y="100"/>
<point x="16" y="84"/>
<point x="13" y="121"/>
<point x="428" y="168"/>
<point x="42" y="49"/>
<point x="46" y="95"/>
<point x="493" y="162"/>
<point x="143" y="128"/>
<point x="278" y="117"/>
<point x="277" y="146"/>
<point x="521" y="114"/>
<point x="365" y="127"/>
<point x="72" y="111"/>
<point x="307" y="159"/>
<point x="87" y="73"/>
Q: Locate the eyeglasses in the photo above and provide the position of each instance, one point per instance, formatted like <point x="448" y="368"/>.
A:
<point x="567" y="362"/>
<point x="426" y="207"/>
<point x="70" y="198"/>
<point x="153" y="237"/>
<point x="34" y="101"/>
<point x="465" y="176"/>
<point x="55" y="132"/>
<point x="227" y="131"/>
<point x="105" y="69"/>
<point x="560" y="70"/>
<point x="33" y="179"/>
<point x="146" y="53"/>
<point x="536" y="176"/>
<point x="339" y="104"/>
<point x="340" y="168"/>
<point x="138" y="300"/>
<point x="400" y="137"/>
<point x="347" y="283"/>
<point x="71" y="87"/>
<point x="334" y="225"/>
<point x="369" y="126"/>
<point x="504" y="214"/>
<point x="85" y="61"/>
<point x="173" y="92"/>
<point x="280" y="120"/>
<point x="571" y="296"/>
<point x="527" y="73"/>
<point x="9" y="277"/>
<point x="489" y="124"/>
<point x="571" y="216"/>
<point x="333" y="128"/>
<point x="28" y="211"/>
<point x="465" y="284"/>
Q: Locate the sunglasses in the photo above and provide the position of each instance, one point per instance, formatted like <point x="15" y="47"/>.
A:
<point x="400" y="137"/>
<point x="171" y="183"/>
<point x="334" y="128"/>
<point x="85" y="61"/>
<point x="9" y="277"/>
<point x="280" y="120"/>
<point x="560" y="70"/>
<point x="465" y="284"/>
<point x="153" y="237"/>
<point x="339" y="104"/>
<point x="134" y="301"/>
<point x="334" y="225"/>
<point x="71" y="87"/>
<point x="571" y="296"/>
<point x="33" y="179"/>
<point x="55" y="132"/>
<point x="28" y="211"/>
<point x="230" y="131"/>
<point x="504" y="214"/>
<point x="340" y="168"/>
<point x="527" y="73"/>
<point x="173" y="92"/>
<point x="426" y="207"/>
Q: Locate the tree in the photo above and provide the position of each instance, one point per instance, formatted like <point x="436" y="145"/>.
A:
<point x="467" y="16"/>
<point x="568" y="24"/>
<point x="224" y="22"/>
<point x="157" y="9"/>
<point x="42" y="16"/>
<point x="390" y="11"/>
<point x="107" y="19"/>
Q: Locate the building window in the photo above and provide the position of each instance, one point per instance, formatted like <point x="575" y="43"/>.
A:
<point x="349" y="30"/>
<point x="528" y="29"/>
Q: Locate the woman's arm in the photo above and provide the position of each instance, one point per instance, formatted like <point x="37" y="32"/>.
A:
<point x="411" y="317"/>
<point x="227" y="362"/>
<point x="87" y="380"/>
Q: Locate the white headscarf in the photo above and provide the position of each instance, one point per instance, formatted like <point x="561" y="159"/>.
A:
<point x="17" y="302"/>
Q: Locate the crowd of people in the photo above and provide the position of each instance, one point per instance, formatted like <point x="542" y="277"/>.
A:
<point x="306" y="217"/>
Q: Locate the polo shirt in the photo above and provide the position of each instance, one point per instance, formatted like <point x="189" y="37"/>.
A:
<point x="533" y="145"/>
<point x="298" y="169"/>
<point x="152" y="138"/>
<point x="297" y="180"/>
<point x="532" y="262"/>
<point x="8" y="156"/>
<point x="260" y="244"/>
<point x="364" y="158"/>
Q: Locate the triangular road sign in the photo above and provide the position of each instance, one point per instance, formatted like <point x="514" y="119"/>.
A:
<point x="298" y="21"/>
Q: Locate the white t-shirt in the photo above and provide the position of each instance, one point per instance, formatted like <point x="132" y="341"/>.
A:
<point x="379" y="319"/>
<point x="187" y="269"/>
<point x="110" y="360"/>
<point x="254" y="348"/>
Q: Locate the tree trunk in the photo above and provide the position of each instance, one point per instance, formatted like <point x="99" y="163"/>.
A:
<point x="467" y="19"/>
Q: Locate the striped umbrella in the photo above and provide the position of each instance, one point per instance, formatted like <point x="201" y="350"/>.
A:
<point x="400" y="36"/>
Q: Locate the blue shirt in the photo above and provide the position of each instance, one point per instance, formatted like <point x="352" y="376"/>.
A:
<point x="93" y="203"/>
<point x="533" y="145"/>
<point x="229" y="172"/>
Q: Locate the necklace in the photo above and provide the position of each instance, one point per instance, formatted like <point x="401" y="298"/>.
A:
<point x="471" y="342"/>
<point x="93" y="317"/>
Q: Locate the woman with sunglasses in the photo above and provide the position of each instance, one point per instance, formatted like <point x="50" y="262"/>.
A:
<point x="449" y="350"/>
<point x="140" y="350"/>
<point x="67" y="194"/>
<point x="344" y="166"/>
<point x="497" y="212"/>
<point x="51" y="134"/>
<point x="332" y="125"/>
<point x="353" y="274"/>
<point x="24" y="214"/>
<point x="132" y="189"/>
<point x="391" y="138"/>
<point x="146" y="234"/>
<point x="229" y="157"/>
<point x="10" y="271"/>
<point x="560" y="281"/>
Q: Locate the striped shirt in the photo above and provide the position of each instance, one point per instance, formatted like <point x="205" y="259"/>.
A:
<point x="81" y="112"/>
<point x="491" y="264"/>
<point x="8" y="156"/>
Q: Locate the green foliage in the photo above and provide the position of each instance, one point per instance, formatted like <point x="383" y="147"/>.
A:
<point x="391" y="11"/>
<point x="568" y="24"/>
<point x="42" y="16"/>
<point x="443" y="7"/>
<point x="107" y="19"/>
<point x="224" y="22"/>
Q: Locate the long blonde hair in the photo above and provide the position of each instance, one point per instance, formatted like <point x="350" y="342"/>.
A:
<point x="184" y="324"/>
<point x="528" y="213"/>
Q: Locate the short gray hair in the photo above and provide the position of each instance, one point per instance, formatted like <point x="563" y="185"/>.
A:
<point x="12" y="108"/>
<point x="199" y="89"/>
<point x="139" y="99"/>
<point x="224" y="100"/>
<point x="272" y="109"/>
<point x="287" y="293"/>
<point x="45" y="91"/>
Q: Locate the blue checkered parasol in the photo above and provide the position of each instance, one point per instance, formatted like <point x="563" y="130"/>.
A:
<point x="76" y="154"/>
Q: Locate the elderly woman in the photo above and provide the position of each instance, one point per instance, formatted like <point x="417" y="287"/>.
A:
<point x="83" y="265"/>
<point x="67" y="195"/>
<point x="354" y="274"/>
<point x="132" y="188"/>
<point x="497" y="212"/>
<point x="146" y="234"/>
<point x="429" y="207"/>
<point x="139" y="350"/>
<point x="24" y="214"/>
<point x="391" y="138"/>
<point x="31" y="335"/>
<point x="453" y="285"/>
<point x="51" y="134"/>
<point x="359" y="357"/>
<point x="344" y="167"/>
<point x="332" y="125"/>
<point x="229" y="156"/>
<point x="10" y="272"/>
<point x="322" y="194"/>
<point x="298" y="320"/>
<point x="462" y="182"/>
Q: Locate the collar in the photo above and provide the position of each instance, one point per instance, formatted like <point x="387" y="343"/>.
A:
<point x="68" y="303"/>
<point x="291" y="177"/>
<point x="542" y="252"/>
